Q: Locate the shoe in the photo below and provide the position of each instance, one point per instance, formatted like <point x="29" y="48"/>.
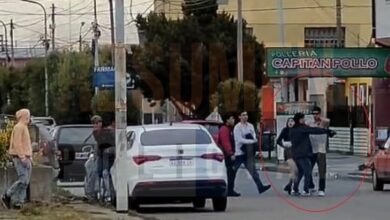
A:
<point x="264" y="188"/>
<point x="18" y="206"/>
<point x="293" y="193"/>
<point x="234" y="194"/>
<point x="312" y="190"/>
<point x="6" y="201"/>
<point x="306" y="194"/>
<point x="287" y="189"/>
<point x="321" y="193"/>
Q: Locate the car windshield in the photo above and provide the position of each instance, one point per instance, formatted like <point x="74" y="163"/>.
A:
<point x="175" y="137"/>
<point x="76" y="135"/>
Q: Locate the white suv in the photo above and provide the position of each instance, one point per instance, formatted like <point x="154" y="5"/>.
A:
<point x="170" y="163"/>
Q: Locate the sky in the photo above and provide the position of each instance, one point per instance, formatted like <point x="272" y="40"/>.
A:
<point x="29" y="20"/>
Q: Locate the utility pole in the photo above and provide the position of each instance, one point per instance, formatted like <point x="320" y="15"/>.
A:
<point x="46" y="44"/>
<point x="6" y="43"/>
<point x="240" y="68"/>
<point x="120" y="108"/>
<point x="338" y="23"/>
<point x="285" y="88"/>
<point x="53" y="26"/>
<point x="12" y="43"/>
<point x="112" y="32"/>
<point x="96" y="35"/>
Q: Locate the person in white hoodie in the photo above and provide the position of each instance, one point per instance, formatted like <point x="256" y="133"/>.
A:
<point x="245" y="144"/>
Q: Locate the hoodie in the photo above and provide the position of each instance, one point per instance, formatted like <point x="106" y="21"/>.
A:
<point x="300" y="139"/>
<point x="20" y="142"/>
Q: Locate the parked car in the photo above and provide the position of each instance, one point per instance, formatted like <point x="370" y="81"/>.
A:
<point x="211" y="126"/>
<point x="70" y="140"/>
<point x="381" y="167"/>
<point x="42" y="141"/>
<point x="49" y="122"/>
<point x="173" y="163"/>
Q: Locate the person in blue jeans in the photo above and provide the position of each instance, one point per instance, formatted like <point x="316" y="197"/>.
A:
<point x="245" y="144"/>
<point x="302" y="151"/>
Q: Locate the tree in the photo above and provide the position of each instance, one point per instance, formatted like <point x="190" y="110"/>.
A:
<point x="235" y="97"/>
<point x="184" y="60"/>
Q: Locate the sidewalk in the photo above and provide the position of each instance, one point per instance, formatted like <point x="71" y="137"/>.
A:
<point x="339" y="166"/>
<point x="66" y="207"/>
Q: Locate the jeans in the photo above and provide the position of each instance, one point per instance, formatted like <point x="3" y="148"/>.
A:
<point x="249" y="163"/>
<point x="231" y="174"/>
<point x="18" y="189"/>
<point x="304" y="169"/>
<point x="108" y="161"/>
<point x="320" y="160"/>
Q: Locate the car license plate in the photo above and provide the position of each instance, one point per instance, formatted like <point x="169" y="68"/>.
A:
<point x="81" y="156"/>
<point x="180" y="163"/>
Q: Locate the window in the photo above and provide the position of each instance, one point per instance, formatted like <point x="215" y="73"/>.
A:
<point x="249" y="30"/>
<point x="175" y="137"/>
<point x="130" y="139"/>
<point x="323" y="37"/>
<point x="353" y="94"/>
<point x="76" y="136"/>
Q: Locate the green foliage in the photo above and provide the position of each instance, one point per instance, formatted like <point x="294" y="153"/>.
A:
<point x="180" y="45"/>
<point x="235" y="97"/>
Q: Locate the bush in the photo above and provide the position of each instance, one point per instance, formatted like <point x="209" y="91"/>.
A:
<point x="5" y="136"/>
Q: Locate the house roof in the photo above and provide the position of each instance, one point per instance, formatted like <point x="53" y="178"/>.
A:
<point x="24" y="53"/>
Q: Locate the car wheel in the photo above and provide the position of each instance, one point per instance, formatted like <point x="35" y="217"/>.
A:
<point x="199" y="203"/>
<point x="376" y="182"/>
<point x="133" y="204"/>
<point x="219" y="204"/>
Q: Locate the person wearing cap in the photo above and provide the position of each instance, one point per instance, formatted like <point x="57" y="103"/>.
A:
<point x="319" y="142"/>
<point x="302" y="151"/>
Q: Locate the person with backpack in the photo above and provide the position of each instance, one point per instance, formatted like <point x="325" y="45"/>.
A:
<point x="226" y="143"/>
<point x="245" y="149"/>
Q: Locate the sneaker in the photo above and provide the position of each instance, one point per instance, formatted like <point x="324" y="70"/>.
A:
<point x="293" y="193"/>
<point x="264" y="188"/>
<point x="6" y="200"/>
<point x="321" y="193"/>
<point x="234" y="194"/>
<point x="306" y="194"/>
<point x="312" y="190"/>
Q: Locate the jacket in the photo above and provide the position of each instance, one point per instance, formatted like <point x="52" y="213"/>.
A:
<point x="20" y="142"/>
<point x="300" y="140"/>
<point x="225" y="138"/>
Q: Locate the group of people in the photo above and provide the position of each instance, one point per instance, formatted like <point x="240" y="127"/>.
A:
<point x="239" y="143"/>
<point x="304" y="147"/>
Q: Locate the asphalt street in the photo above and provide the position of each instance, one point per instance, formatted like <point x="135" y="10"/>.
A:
<point x="345" y="199"/>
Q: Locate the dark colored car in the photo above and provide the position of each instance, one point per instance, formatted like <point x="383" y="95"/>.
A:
<point x="212" y="126"/>
<point x="70" y="140"/>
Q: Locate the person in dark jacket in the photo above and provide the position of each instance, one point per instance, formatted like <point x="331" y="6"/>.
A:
<point x="284" y="141"/>
<point x="302" y="150"/>
<point x="226" y="143"/>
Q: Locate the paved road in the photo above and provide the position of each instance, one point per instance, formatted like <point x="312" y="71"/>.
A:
<point x="364" y="204"/>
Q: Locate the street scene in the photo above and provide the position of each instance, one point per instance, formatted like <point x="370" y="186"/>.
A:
<point x="189" y="109"/>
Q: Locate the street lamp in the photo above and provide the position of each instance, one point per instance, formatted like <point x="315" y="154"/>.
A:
<point x="6" y="46"/>
<point x="45" y="44"/>
<point x="80" y="40"/>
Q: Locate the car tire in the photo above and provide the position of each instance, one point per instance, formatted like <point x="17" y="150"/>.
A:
<point x="220" y="204"/>
<point x="199" y="203"/>
<point x="377" y="183"/>
<point x="133" y="204"/>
